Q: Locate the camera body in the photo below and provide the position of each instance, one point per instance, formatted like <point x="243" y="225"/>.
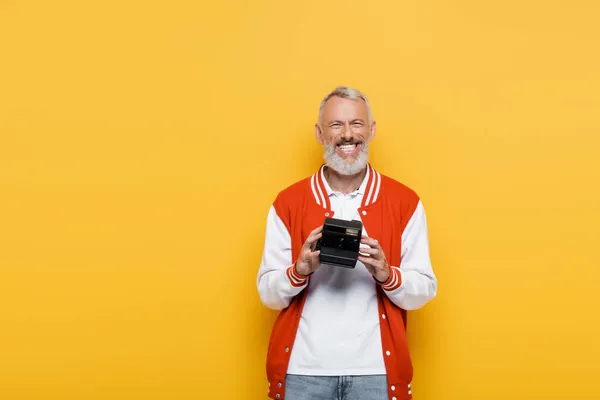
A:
<point x="340" y="242"/>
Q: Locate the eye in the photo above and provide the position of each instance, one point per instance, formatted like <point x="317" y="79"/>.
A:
<point x="357" y="124"/>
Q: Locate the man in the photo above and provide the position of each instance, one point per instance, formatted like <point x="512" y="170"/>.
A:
<point x="341" y="331"/>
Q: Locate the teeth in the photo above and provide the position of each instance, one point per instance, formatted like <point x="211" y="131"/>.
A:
<point x="347" y="147"/>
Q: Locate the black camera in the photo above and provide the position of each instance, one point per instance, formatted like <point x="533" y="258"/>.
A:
<point x="340" y="242"/>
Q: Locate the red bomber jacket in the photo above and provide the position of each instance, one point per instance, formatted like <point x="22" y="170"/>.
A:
<point x="386" y="210"/>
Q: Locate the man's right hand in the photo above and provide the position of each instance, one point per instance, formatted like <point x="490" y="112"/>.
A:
<point x="308" y="261"/>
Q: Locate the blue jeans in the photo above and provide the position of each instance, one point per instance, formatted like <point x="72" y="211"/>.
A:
<point x="366" y="387"/>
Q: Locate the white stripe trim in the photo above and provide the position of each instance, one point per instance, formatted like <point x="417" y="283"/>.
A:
<point x="296" y="275"/>
<point x="370" y="191"/>
<point x="294" y="279"/>
<point x="394" y="279"/>
<point x="363" y="184"/>
<point x="319" y="188"/>
<point x="312" y="185"/>
<point x="378" y="186"/>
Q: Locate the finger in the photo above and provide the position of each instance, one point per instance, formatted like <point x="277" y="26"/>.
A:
<point x="372" y="262"/>
<point x="308" y="254"/>
<point x="368" y="263"/>
<point x="317" y="230"/>
<point x="311" y="241"/>
<point x="370" y="242"/>
<point x="371" y="252"/>
<point x="314" y="254"/>
<point x="314" y="259"/>
<point x="314" y="236"/>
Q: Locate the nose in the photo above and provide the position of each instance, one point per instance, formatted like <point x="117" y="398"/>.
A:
<point x="346" y="133"/>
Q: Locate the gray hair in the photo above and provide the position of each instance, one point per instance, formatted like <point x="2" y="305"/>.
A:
<point x="345" y="93"/>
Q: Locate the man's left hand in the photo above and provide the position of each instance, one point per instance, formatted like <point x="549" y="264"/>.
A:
<point x="376" y="262"/>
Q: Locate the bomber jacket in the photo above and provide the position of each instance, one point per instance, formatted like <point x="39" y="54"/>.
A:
<point x="393" y="214"/>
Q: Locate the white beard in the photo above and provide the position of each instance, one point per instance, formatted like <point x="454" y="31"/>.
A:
<point x="341" y="166"/>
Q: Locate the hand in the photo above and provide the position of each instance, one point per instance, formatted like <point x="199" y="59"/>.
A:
<point x="376" y="262"/>
<point x="308" y="261"/>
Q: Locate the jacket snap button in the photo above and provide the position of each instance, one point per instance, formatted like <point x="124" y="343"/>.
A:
<point x="279" y="384"/>
<point x="364" y="212"/>
<point x="387" y="353"/>
<point x="277" y="395"/>
<point x="393" y="388"/>
<point x="287" y="349"/>
<point x="327" y="214"/>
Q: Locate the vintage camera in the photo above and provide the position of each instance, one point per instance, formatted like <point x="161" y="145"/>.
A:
<point x="340" y="242"/>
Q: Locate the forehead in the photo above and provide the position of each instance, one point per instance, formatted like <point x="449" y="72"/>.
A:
<point x="338" y="108"/>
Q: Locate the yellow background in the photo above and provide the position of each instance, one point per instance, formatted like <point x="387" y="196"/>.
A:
<point x="141" y="144"/>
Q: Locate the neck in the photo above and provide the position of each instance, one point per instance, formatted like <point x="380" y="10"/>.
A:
<point x="344" y="183"/>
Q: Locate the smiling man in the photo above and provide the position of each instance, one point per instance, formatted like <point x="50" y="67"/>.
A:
<point x="341" y="332"/>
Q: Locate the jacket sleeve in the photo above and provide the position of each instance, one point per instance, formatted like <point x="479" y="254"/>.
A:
<point x="277" y="281"/>
<point x="414" y="283"/>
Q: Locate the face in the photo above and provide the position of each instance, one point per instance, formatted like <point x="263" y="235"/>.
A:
<point x="345" y="134"/>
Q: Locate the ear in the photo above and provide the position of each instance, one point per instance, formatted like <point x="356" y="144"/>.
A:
<point x="373" y="129"/>
<point x="318" y="134"/>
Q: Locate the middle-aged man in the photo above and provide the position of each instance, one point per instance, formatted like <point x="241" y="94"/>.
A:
<point x="341" y="332"/>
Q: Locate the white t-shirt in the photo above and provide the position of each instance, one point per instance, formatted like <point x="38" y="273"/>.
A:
<point x="339" y="330"/>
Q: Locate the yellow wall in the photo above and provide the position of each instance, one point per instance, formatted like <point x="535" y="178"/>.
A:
<point x="142" y="143"/>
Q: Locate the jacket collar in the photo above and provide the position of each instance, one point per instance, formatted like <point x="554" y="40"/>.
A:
<point x="370" y="187"/>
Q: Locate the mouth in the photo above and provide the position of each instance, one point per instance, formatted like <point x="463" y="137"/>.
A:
<point x="348" y="149"/>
